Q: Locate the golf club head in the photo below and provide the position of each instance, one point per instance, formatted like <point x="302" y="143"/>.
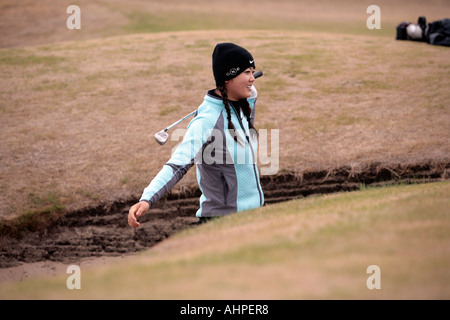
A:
<point x="161" y="137"/>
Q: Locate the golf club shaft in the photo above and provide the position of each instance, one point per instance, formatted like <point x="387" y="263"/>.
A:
<point x="182" y="119"/>
<point x="256" y="75"/>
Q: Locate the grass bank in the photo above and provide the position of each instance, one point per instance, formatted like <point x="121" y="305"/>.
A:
<point x="313" y="248"/>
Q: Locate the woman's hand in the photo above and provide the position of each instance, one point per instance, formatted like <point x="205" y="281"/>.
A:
<point x="136" y="211"/>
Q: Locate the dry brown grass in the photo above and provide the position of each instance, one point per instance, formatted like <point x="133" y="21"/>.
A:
<point x="78" y="117"/>
<point x="31" y="22"/>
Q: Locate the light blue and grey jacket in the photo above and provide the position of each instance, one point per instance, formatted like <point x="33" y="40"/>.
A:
<point x="227" y="172"/>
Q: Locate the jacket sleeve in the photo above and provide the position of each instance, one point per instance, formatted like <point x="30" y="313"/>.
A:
<point x="180" y="162"/>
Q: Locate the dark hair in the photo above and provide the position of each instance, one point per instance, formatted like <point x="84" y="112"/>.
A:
<point x="245" y="109"/>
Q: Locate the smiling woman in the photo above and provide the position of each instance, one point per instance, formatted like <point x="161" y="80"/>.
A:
<point x="216" y="141"/>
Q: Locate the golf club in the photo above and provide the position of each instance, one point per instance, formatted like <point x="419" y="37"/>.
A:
<point x="162" y="136"/>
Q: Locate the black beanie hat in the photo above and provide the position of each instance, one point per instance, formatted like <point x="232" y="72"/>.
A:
<point x="229" y="60"/>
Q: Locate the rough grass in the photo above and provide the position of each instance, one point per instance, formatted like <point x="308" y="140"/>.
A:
<point x="78" y="118"/>
<point x="78" y="110"/>
<point x="314" y="248"/>
<point x="30" y="22"/>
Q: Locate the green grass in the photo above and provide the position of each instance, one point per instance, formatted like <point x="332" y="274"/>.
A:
<point x="168" y="109"/>
<point x="44" y="211"/>
<point x="143" y="22"/>
<point x="318" y="247"/>
<point x="187" y="20"/>
<point x="20" y="58"/>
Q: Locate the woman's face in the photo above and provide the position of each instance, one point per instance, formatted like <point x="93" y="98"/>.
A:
<point x="240" y="87"/>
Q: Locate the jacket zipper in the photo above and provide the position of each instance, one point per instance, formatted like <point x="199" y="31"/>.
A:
<point x="253" y="154"/>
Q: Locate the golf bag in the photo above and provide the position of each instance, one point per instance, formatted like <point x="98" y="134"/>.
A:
<point x="412" y="31"/>
<point x="437" y="32"/>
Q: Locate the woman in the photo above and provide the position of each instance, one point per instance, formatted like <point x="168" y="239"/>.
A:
<point x="221" y="141"/>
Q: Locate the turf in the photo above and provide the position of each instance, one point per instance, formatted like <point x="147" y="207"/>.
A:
<point x="313" y="248"/>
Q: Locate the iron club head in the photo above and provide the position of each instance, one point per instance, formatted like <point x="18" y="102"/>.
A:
<point x="161" y="137"/>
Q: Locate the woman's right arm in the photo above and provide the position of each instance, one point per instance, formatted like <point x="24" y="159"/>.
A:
<point x="172" y="172"/>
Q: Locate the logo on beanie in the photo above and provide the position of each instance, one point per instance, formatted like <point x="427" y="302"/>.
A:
<point x="233" y="71"/>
